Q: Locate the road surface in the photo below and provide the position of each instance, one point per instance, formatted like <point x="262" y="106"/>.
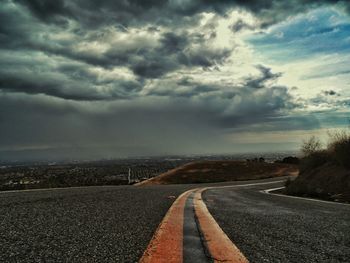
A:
<point x="116" y="224"/>
<point x="94" y="224"/>
<point x="271" y="228"/>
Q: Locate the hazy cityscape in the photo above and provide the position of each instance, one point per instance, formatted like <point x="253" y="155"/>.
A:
<point x="31" y="175"/>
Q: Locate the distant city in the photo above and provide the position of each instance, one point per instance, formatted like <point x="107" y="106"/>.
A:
<point x="16" y="175"/>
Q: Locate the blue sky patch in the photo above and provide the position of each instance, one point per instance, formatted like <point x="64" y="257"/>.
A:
<point x="322" y="31"/>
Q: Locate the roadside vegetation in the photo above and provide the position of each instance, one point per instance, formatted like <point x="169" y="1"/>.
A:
<point x="324" y="169"/>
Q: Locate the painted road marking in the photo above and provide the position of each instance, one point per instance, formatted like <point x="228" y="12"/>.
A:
<point x="193" y="249"/>
<point x="220" y="247"/>
<point x="241" y="185"/>
<point x="268" y="191"/>
<point x="167" y="243"/>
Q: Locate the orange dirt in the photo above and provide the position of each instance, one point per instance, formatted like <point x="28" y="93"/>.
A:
<point x="221" y="171"/>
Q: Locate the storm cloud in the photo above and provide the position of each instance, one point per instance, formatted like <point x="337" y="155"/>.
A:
<point x="131" y="12"/>
<point x="151" y="76"/>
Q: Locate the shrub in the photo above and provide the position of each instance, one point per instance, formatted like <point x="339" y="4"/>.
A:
<point x="314" y="160"/>
<point x="291" y="160"/>
<point x="288" y="182"/>
<point x="339" y="147"/>
<point x="337" y="151"/>
<point x="342" y="153"/>
<point x="312" y="145"/>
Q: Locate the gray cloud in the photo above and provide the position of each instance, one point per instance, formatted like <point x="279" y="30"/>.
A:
<point x="146" y="55"/>
<point x="59" y="78"/>
<point x="96" y="13"/>
<point x="49" y="11"/>
<point x="330" y="92"/>
<point x="240" y="25"/>
<point x="161" y="124"/>
<point x="112" y="75"/>
<point x="66" y="89"/>
<point x="145" y="61"/>
<point x="266" y="76"/>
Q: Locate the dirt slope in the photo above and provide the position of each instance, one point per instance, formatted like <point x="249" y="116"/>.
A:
<point x="221" y="171"/>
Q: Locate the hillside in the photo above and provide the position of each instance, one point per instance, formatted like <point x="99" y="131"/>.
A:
<point x="327" y="181"/>
<point x="221" y="171"/>
<point x="324" y="172"/>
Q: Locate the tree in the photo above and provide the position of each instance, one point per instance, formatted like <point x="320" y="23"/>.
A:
<point x="310" y="146"/>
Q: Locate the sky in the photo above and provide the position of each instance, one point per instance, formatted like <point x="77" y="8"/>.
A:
<point x="108" y="79"/>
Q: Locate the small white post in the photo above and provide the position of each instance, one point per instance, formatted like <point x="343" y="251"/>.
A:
<point x="129" y="176"/>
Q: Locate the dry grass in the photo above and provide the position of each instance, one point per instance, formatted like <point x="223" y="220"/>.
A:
<point x="327" y="181"/>
<point x="336" y="152"/>
<point x="324" y="172"/>
<point x="221" y="171"/>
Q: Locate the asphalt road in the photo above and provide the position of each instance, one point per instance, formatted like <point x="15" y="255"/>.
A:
<point x="116" y="223"/>
<point x="95" y="224"/>
<point x="270" y="228"/>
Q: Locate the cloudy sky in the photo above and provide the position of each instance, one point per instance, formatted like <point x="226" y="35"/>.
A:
<point x="94" y="79"/>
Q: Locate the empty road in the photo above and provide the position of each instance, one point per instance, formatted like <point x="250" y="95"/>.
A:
<point x="116" y="223"/>
<point x="94" y="224"/>
<point x="271" y="228"/>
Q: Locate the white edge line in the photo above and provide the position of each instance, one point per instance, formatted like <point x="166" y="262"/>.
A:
<point x="242" y="185"/>
<point x="268" y="191"/>
<point x="89" y="186"/>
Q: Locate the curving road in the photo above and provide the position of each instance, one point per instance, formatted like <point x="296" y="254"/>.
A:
<point x="272" y="228"/>
<point x="115" y="224"/>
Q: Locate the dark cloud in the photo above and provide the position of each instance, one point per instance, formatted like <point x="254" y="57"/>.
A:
<point x="172" y="42"/>
<point x="265" y="76"/>
<point x="95" y="13"/>
<point x="49" y="11"/>
<point x="233" y="106"/>
<point x="17" y="30"/>
<point x="153" y="66"/>
<point x="174" y="53"/>
<point x="146" y="57"/>
<point x="186" y="90"/>
<point x="161" y="124"/>
<point x="204" y="57"/>
<point x="65" y="90"/>
<point x="240" y="25"/>
<point x="141" y="75"/>
<point x="330" y="92"/>
<point x="70" y="81"/>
